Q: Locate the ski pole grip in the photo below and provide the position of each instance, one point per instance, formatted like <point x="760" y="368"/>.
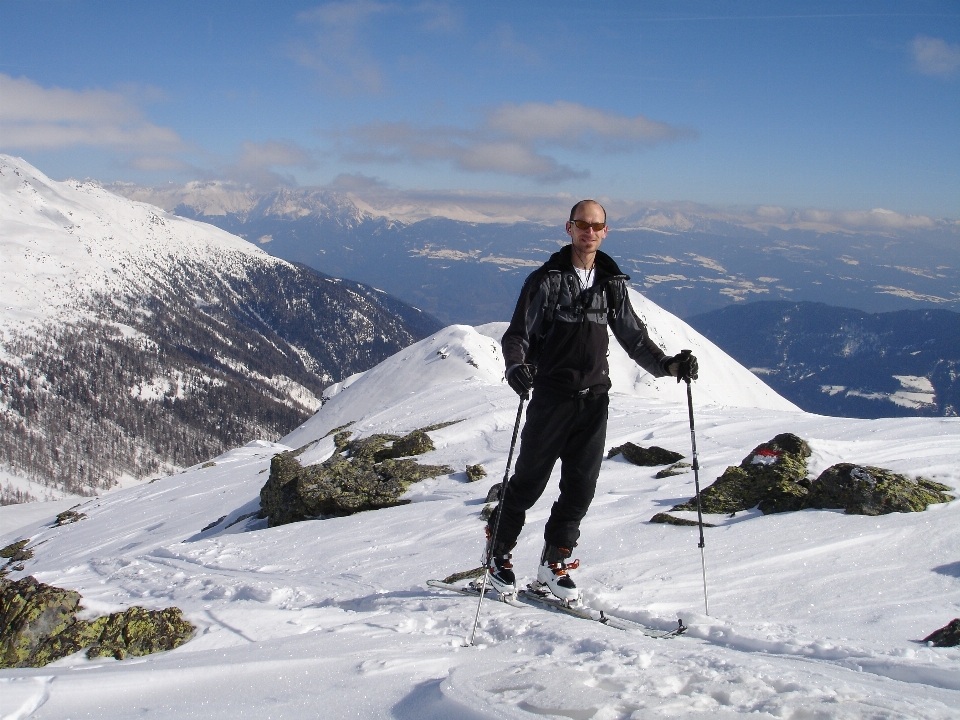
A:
<point x="684" y="354"/>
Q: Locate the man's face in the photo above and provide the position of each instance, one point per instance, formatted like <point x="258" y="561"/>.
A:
<point x="587" y="242"/>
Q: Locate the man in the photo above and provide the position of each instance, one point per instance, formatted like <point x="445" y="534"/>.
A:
<point x="556" y="345"/>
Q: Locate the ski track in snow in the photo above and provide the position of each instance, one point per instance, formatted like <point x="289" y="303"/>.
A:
<point x="814" y="615"/>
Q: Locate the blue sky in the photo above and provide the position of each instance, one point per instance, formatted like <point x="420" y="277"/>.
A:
<point x="835" y="105"/>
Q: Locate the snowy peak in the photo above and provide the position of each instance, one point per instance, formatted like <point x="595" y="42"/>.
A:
<point x="144" y="342"/>
<point x="461" y="359"/>
<point x="61" y="241"/>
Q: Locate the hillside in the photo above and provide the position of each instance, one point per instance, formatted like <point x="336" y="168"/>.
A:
<point x="812" y="614"/>
<point x="846" y="362"/>
<point x="134" y="342"/>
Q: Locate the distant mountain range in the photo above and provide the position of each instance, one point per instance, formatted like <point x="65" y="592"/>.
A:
<point x="845" y="362"/>
<point x="683" y="258"/>
<point x="134" y="342"/>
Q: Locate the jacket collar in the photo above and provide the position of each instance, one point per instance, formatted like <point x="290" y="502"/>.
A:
<point x="605" y="265"/>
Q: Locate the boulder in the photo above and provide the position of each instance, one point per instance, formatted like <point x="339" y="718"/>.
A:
<point x="475" y="472"/>
<point x="773" y="476"/>
<point x="868" y="490"/>
<point x="671" y="520"/>
<point x="947" y="636"/>
<point x="365" y="474"/>
<point x="646" y="457"/>
<point x="678" y="468"/>
<point x="38" y="625"/>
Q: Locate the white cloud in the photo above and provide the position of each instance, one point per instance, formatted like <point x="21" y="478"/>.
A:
<point x="933" y="56"/>
<point x="512" y="140"/>
<point x="575" y="125"/>
<point x="38" y="118"/>
<point x="257" y="163"/>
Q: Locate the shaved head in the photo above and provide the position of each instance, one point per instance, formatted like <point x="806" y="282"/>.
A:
<point x="573" y="210"/>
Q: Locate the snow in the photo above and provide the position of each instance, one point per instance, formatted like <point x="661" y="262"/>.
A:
<point x="62" y="241"/>
<point x="814" y="614"/>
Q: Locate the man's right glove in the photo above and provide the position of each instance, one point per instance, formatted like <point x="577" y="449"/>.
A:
<point x="686" y="366"/>
<point x="520" y="378"/>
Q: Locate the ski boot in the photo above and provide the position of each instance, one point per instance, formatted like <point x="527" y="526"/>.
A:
<point x="552" y="575"/>
<point x="500" y="569"/>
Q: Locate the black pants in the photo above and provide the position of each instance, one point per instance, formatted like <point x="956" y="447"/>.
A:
<point x="573" y="430"/>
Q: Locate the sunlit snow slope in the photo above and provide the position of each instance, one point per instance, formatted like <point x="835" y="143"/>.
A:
<point x="812" y="614"/>
<point x="134" y="342"/>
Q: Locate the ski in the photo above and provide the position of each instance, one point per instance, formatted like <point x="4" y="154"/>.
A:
<point x="547" y="600"/>
<point x="529" y="597"/>
<point x="472" y="591"/>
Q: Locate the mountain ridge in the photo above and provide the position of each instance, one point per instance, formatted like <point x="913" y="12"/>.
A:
<point x="846" y="362"/>
<point x="134" y="342"/>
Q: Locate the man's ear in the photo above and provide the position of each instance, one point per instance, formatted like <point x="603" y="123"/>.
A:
<point x="569" y="228"/>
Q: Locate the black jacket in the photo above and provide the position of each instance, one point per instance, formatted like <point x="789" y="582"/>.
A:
<point x="570" y="352"/>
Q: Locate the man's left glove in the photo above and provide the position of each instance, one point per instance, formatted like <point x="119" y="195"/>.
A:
<point x="520" y="378"/>
<point x="683" y="366"/>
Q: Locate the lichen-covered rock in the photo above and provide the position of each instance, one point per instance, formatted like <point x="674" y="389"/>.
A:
<point x="464" y="575"/>
<point x="646" y="457"/>
<point x="493" y="494"/>
<point x="365" y="474"/>
<point x="867" y="490"/>
<point x="16" y="552"/>
<point x="416" y="443"/>
<point x="671" y="520"/>
<point x="773" y="476"/>
<point x="475" y="473"/>
<point x="678" y="468"/>
<point x="137" y="631"/>
<point x="38" y="625"/>
<point x="69" y="516"/>
<point x="30" y="613"/>
<point x="947" y="636"/>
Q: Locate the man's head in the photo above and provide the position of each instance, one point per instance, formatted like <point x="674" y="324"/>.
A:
<point x="585" y="217"/>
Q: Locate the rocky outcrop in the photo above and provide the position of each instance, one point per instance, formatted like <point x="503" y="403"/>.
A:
<point x="365" y="474"/>
<point x="773" y="476"/>
<point x="678" y="468"/>
<point x="947" y="636"/>
<point x="868" y="490"/>
<point x="38" y="625"/>
<point x="15" y="554"/>
<point x="671" y="520"/>
<point x="475" y="473"/>
<point x="646" y="457"/>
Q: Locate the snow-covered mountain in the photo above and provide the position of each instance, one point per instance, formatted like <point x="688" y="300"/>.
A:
<point x="813" y="614"/>
<point x="133" y="341"/>
<point x="464" y="263"/>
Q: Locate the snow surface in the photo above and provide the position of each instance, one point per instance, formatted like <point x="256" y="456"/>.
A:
<point x="62" y="241"/>
<point x="814" y="614"/>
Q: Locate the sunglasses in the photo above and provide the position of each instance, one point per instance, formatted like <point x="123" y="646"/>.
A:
<point x="583" y="225"/>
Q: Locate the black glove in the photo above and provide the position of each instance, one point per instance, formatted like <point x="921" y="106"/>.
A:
<point x="520" y="378"/>
<point x="686" y="363"/>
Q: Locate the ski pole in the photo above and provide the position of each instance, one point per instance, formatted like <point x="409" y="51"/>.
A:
<point x="496" y="525"/>
<point x="696" y="480"/>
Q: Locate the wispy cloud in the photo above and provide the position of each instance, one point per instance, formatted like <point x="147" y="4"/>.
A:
<point x="38" y="118"/>
<point x="576" y="126"/>
<point x="260" y="164"/>
<point x="934" y="56"/>
<point x="340" y="55"/>
<point x="337" y="55"/>
<point x="511" y="140"/>
<point x="507" y="44"/>
<point x="257" y="165"/>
